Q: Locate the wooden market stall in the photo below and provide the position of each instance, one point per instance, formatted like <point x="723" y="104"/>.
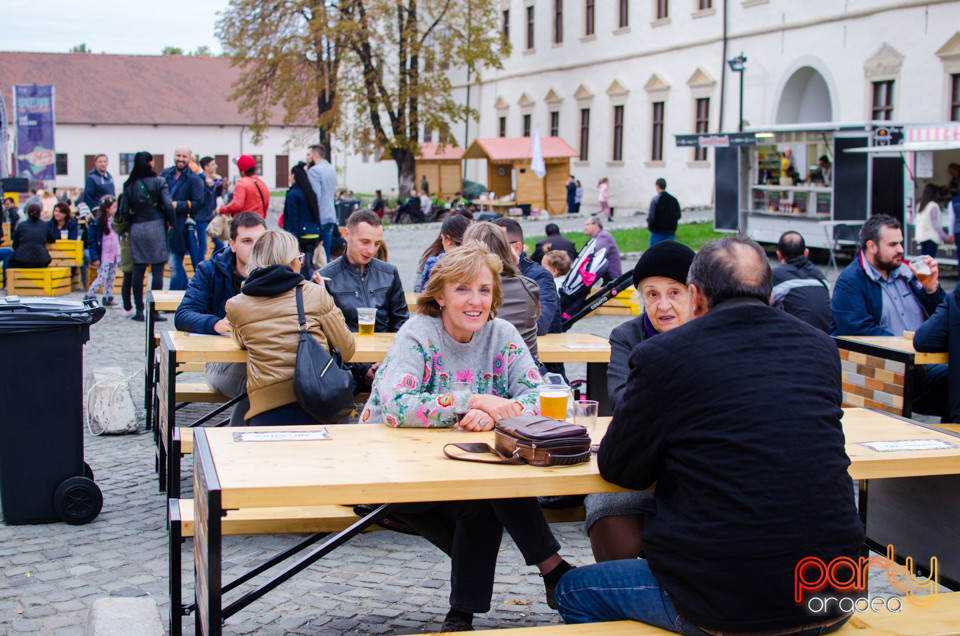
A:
<point x="442" y="166"/>
<point x="508" y="170"/>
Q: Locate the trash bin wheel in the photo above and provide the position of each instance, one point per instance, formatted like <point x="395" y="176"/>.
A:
<point x="78" y="500"/>
<point x="87" y="471"/>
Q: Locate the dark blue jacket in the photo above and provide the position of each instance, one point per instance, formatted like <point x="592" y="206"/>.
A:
<point x="72" y="227"/>
<point x="857" y="303"/>
<point x="188" y="197"/>
<point x="296" y="214"/>
<point x="549" y="320"/>
<point x="94" y="243"/>
<point x="210" y="194"/>
<point x="95" y="187"/>
<point x="941" y="332"/>
<point x="205" y="300"/>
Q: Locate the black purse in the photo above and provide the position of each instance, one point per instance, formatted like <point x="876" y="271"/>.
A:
<point x="322" y="386"/>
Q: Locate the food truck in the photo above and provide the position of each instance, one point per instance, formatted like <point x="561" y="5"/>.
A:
<point x="769" y="179"/>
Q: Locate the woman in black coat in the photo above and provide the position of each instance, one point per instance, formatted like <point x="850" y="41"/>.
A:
<point x="30" y="240"/>
<point x="150" y="212"/>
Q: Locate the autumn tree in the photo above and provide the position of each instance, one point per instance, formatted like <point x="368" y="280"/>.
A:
<point x="80" y="48"/>
<point x="288" y="53"/>
<point x="396" y="83"/>
<point x="171" y="50"/>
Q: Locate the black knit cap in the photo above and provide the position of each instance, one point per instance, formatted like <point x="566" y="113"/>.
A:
<point x="667" y="258"/>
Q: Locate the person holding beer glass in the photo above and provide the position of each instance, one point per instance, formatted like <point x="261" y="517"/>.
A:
<point x="456" y="337"/>
<point x="263" y="320"/>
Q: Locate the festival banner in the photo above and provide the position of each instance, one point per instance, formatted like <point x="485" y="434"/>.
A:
<point x="33" y="105"/>
<point x="4" y="142"/>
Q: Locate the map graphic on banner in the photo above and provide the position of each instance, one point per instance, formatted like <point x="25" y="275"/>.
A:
<point x="33" y="106"/>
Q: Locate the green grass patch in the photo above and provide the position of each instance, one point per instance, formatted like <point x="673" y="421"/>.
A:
<point x="694" y="235"/>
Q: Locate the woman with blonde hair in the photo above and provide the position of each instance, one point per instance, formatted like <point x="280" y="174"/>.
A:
<point x="457" y="337"/>
<point x="263" y="320"/>
<point x="521" y="295"/>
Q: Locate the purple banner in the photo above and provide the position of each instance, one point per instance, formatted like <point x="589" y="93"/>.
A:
<point x="33" y="106"/>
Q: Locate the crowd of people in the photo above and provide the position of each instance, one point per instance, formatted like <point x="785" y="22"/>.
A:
<point x="728" y="363"/>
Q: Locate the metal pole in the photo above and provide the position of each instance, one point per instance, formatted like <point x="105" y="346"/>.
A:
<point x="740" y="122"/>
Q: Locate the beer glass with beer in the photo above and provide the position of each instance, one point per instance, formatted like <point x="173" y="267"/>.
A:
<point x="553" y="400"/>
<point x="921" y="268"/>
<point x="366" y="320"/>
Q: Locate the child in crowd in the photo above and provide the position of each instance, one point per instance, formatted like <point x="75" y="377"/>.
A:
<point x="558" y="263"/>
<point x="104" y="246"/>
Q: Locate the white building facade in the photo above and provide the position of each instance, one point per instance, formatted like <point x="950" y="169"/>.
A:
<point x="618" y="79"/>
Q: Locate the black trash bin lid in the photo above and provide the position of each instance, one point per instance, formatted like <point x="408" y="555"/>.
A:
<point x="19" y="314"/>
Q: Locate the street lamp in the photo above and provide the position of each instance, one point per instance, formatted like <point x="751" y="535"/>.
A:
<point x="737" y="65"/>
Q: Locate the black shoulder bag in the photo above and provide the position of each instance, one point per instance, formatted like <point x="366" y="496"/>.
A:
<point x="322" y="387"/>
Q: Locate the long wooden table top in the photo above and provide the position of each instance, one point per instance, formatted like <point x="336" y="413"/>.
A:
<point x="375" y="463"/>
<point x="554" y="347"/>
<point x="898" y="344"/>
<point x="166" y="300"/>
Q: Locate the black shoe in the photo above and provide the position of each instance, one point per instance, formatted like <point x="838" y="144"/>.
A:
<point x="551" y="589"/>
<point x="455" y="624"/>
<point x="109" y="302"/>
<point x="138" y="316"/>
<point x="159" y="318"/>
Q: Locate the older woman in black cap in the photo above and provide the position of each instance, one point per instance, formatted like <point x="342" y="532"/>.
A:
<point x="615" y="520"/>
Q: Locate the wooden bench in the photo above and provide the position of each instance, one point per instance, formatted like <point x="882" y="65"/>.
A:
<point x="280" y="520"/>
<point x="45" y="281"/>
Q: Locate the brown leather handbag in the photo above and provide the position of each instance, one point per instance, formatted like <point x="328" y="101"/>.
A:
<point x="531" y="439"/>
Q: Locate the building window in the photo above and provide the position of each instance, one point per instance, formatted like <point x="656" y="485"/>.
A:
<point x="558" y="21"/>
<point x="624" y="13"/>
<point x="444" y="133"/>
<point x="588" y="18"/>
<point x="526" y="125"/>
<point x="259" y="160"/>
<point x="702" y="125"/>
<point x="706" y="4"/>
<point x="662" y="9"/>
<point x="126" y="162"/>
<point x="427" y="134"/>
<point x="506" y="26"/>
<point x="656" y="153"/>
<point x="882" y="101"/>
<point x="955" y="97"/>
<point x="618" y="133"/>
<point x="530" y="27"/>
<point x="61" y="163"/>
<point x="503" y="126"/>
<point x="555" y="123"/>
<point x="584" y="134"/>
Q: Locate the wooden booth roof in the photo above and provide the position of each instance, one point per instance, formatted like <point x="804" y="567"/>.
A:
<point x="504" y="149"/>
<point x="432" y="151"/>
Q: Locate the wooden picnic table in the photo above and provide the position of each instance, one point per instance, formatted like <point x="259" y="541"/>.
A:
<point x="877" y="371"/>
<point x="233" y="470"/>
<point x="495" y="205"/>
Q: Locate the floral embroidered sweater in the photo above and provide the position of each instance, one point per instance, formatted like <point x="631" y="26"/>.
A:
<point x="412" y="385"/>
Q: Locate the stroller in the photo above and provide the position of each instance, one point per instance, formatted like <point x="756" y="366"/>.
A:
<point x="575" y="298"/>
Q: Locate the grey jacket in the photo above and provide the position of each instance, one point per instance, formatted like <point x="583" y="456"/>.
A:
<point x="323" y="180"/>
<point x="521" y="308"/>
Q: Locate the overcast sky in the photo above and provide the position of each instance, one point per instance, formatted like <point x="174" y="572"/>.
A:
<point x="138" y="27"/>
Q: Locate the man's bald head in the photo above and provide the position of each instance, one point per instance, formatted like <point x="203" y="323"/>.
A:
<point x="731" y="267"/>
<point x="181" y="157"/>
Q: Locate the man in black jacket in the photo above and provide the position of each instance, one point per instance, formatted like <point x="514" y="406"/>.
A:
<point x="554" y="241"/>
<point x="663" y="215"/>
<point x="799" y="287"/>
<point x="736" y="418"/>
<point x="186" y="191"/>
<point x="357" y="279"/>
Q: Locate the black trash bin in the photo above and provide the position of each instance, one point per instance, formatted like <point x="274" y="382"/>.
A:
<point x="43" y="477"/>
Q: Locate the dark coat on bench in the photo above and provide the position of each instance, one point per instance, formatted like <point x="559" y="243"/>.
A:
<point x="935" y="335"/>
<point x="736" y="417"/>
<point x="30" y="244"/>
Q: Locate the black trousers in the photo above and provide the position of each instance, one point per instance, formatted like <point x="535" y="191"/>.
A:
<point x="139" y="271"/>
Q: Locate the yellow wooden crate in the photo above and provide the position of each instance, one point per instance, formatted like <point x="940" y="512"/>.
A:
<point x="7" y="240"/>
<point x="66" y="253"/>
<point x="48" y="281"/>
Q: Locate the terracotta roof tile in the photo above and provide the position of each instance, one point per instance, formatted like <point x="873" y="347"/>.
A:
<point x="507" y="148"/>
<point x="128" y="89"/>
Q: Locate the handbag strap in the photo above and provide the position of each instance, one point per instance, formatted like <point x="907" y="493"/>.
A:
<point x="481" y="449"/>
<point x="300" y="315"/>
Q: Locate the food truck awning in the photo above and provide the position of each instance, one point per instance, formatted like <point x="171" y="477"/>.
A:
<point x="910" y="146"/>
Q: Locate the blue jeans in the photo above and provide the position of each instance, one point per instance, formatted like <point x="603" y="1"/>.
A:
<point x="5" y="254"/>
<point x="929" y="248"/>
<point x="178" y="275"/>
<point x="326" y="236"/>
<point x="287" y="415"/>
<point x="616" y="591"/>
<point x="197" y="240"/>
<point x="656" y="238"/>
<point x="83" y="270"/>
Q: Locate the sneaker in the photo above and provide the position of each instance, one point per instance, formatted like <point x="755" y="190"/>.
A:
<point x="455" y="624"/>
<point x="158" y="317"/>
<point x="551" y="590"/>
<point x="138" y="316"/>
<point x="109" y="302"/>
<point x="128" y="313"/>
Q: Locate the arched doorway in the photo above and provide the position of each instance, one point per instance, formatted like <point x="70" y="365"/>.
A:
<point x="805" y="99"/>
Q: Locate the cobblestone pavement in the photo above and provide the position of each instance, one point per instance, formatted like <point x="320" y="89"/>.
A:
<point x="380" y="583"/>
